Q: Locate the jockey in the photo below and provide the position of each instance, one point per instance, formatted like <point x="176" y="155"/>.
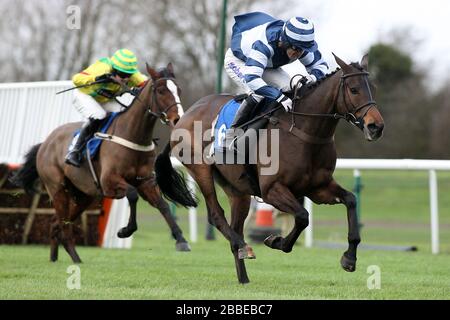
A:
<point x="93" y="102"/>
<point x="260" y="45"/>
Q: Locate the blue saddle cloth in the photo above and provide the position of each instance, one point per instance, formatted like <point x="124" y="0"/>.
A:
<point x="94" y="144"/>
<point x="224" y="121"/>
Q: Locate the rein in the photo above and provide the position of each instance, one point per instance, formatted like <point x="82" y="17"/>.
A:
<point x="350" y="116"/>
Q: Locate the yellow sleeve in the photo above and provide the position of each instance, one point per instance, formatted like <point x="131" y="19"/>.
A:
<point x="89" y="74"/>
<point x="137" y="79"/>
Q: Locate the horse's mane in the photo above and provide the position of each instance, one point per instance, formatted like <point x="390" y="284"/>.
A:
<point x="311" y="87"/>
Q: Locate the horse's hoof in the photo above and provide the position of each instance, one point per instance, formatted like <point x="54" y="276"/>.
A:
<point x="246" y="253"/>
<point x="273" y="241"/>
<point x="183" y="246"/>
<point x="348" y="264"/>
<point x="125" y="232"/>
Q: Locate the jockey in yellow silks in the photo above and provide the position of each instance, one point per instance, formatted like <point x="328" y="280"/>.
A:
<point x="93" y="102"/>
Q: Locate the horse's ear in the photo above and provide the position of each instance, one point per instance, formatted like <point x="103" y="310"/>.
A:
<point x="170" y="68"/>
<point x="152" y="72"/>
<point x="341" y="63"/>
<point x="365" y="62"/>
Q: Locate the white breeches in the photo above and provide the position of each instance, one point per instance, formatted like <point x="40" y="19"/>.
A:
<point x="90" y="108"/>
<point x="236" y="70"/>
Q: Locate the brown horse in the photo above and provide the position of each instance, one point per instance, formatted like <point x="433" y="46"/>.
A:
<point x="118" y="165"/>
<point x="307" y="159"/>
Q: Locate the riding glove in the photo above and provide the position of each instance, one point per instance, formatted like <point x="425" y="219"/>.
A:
<point x="310" y="78"/>
<point x="285" y="102"/>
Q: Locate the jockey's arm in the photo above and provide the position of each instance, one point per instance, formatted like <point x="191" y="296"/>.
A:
<point x="90" y="73"/>
<point x="315" y="65"/>
<point x="254" y="68"/>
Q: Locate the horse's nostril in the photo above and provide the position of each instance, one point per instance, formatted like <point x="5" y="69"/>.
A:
<point x="373" y="127"/>
<point x="175" y="121"/>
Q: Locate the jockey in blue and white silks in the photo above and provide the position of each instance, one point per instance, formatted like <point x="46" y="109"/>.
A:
<point x="260" y="45"/>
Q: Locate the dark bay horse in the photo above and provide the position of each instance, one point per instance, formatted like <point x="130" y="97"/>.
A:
<point x="307" y="159"/>
<point x="118" y="166"/>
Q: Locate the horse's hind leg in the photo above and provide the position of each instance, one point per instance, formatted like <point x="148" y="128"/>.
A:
<point x="150" y="192"/>
<point x="69" y="203"/>
<point x="203" y="176"/>
<point x="333" y="194"/>
<point x="131" y="227"/>
<point x="281" y="198"/>
<point x="239" y="211"/>
<point x="55" y="233"/>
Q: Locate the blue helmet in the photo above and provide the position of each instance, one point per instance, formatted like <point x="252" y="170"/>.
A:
<point x="299" y="33"/>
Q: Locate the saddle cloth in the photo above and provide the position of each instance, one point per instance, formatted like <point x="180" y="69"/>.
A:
<point x="94" y="144"/>
<point x="224" y="121"/>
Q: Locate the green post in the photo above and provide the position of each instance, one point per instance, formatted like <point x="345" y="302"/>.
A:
<point x="221" y="49"/>
<point x="220" y="56"/>
<point x="357" y="190"/>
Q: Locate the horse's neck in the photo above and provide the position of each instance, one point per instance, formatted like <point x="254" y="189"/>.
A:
<point x="321" y="101"/>
<point x="137" y="124"/>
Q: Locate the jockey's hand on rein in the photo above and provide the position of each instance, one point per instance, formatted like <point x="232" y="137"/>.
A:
<point x="285" y="102"/>
<point x="104" y="78"/>
<point x="135" y="91"/>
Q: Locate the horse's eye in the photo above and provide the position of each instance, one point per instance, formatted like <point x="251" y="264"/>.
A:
<point x="161" y="90"/>
<point x="354" y="90"/>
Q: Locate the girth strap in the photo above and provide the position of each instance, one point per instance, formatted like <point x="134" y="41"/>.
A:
<point x="125" y="143"/>
<point x="284" y="125"/>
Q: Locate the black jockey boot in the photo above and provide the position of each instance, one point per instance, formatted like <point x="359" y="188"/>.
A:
<point x="242" y="116"/>
<point x="74" y="157"/>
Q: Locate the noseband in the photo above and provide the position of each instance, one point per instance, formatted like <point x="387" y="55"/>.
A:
<point x="161" y="115"/>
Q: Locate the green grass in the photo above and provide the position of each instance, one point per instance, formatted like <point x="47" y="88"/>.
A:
<point x="395" y="211"/>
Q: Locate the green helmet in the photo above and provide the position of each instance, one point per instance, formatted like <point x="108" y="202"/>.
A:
<point x="124" y="60"/>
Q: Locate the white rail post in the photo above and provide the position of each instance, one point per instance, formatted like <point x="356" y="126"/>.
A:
<point x="434" y="213"/>
<point x="309" y="228"/>
<point x="192" y="213"/>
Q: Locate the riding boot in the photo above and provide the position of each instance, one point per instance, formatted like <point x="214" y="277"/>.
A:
<point x="74" y="156"/>
<point x="242" y="116"/>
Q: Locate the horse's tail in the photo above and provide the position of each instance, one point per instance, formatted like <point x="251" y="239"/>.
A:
<point x="172" y="183"/>
<point x="27" y="174"/>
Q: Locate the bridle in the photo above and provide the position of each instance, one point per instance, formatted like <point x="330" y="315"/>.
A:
<point x="350" y="115"/>
<point x="161" y="115"/>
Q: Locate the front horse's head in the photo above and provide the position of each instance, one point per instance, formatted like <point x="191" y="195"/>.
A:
<point x="166" y="102"/>
<point x="355" y="99"/>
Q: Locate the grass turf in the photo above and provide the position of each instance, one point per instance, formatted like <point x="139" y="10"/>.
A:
<point x="394" y="211"/>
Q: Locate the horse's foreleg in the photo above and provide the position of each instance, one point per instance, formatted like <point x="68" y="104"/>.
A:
<point x="282" y="198"/>
<point x="131" y="227"/>
<point x="333" y="194"/>
<point x="150" y="192"/>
